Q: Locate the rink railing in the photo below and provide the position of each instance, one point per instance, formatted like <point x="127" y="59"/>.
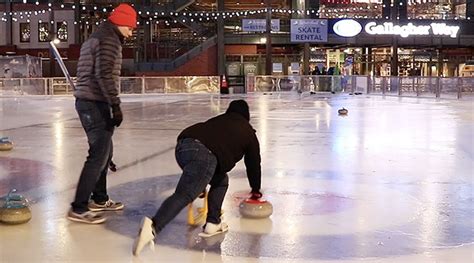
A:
<point x="435" y="87"/>
<point x="128" y="85"/>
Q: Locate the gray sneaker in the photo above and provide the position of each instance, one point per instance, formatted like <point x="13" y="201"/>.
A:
<point x="109" y="205"/>
<point x="88" y="217"/>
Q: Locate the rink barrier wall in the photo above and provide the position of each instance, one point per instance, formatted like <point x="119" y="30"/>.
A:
<point x="128" y="85"/>
<point x="413" y="86"/>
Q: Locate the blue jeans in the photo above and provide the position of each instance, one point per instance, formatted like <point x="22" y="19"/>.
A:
<point x="198" y="164"/>
<point x="97" y="123"/>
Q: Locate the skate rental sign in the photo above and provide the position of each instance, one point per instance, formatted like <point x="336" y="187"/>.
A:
<point x="309" y="30"/>
<point x="351" y="28"/>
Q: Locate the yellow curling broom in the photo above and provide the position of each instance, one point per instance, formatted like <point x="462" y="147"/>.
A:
<point x="198" y="216"/>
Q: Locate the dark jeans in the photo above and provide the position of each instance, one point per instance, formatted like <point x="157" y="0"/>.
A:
<point x="96" y="120"/>
<point x="199" y="165"/>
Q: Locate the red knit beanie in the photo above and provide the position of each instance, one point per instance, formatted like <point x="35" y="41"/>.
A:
<point x="124" y="15"/>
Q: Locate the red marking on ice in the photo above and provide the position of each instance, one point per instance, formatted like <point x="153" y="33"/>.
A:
<point x="289" y="203"/>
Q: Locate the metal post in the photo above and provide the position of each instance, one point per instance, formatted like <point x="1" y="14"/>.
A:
<point x="306" y="59"/>
<point x="45" y="86"/>
<point x="9" y="23"/>
<point x="77" y="26"/>
<point x="459" y="82"/>
<point x="438" y="87"/>
<point x="418" y="87"/>
<point x="384" y="85"/>
<point x="268" y="35"/>
<point x="52" y="35"/>
<point x="399" y="81"/>
<point x="394" y="61"/>
<point x="220" y="40"/>
<point x="143" y="84"/>
<point x="368" y="84"/>
<point x="354" y="79"/>
<point x="51" y="86"/>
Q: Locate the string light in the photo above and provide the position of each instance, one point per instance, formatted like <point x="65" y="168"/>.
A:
<point x="324" y="13"/>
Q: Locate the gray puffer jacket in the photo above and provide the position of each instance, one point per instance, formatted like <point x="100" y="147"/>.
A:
<point x="100" y="62"/>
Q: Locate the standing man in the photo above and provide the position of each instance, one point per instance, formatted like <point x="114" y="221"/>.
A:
<point x="206" y="151"/>
<point x="98" y="107"/>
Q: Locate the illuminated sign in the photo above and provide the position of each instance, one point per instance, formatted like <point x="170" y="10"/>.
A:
<point x="351" y="28"/>
<point x="259" y="25"/>
<point x="309" y="30"/>
<point x="388" y="28"/>
<point x="347" y="28"/>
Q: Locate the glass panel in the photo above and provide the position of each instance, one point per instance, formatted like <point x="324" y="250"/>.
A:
<point x="131" y="85"/>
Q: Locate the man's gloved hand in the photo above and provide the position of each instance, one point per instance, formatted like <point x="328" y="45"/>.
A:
<point x="117" y="116"/>
<point x="255" y="195"/>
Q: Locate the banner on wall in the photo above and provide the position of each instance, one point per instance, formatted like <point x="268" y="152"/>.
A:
<point x="295" y="67"/>
<point x="259" y="25"/>
<point x="309" y="30"/>
<point x="277" y="67"/>
<point x="250" y="68"/>
<point x="233" y="69"/>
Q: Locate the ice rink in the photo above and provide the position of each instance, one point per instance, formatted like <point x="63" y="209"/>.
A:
<point x="390" y="182"/>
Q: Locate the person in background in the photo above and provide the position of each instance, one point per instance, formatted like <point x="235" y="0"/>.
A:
<point x="316" y="71"/>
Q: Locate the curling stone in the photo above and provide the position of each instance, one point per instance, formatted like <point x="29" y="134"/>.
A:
<point x="5" y="144"/>
<point x="14" y="209"/>
<point x="251" y="208"/>
<point x="343" y="111"/>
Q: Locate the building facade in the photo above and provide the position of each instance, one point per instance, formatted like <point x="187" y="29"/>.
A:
<point x="187" y="37"/>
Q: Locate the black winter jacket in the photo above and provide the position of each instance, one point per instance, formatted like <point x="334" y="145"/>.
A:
<point x="229" y="137"/>
<point x="100" y="62"/>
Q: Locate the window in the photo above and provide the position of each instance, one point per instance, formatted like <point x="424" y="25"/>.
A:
<point x="43" y="32"/>
<point x="25" y="32"/>
<point x="62" y="31"/>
